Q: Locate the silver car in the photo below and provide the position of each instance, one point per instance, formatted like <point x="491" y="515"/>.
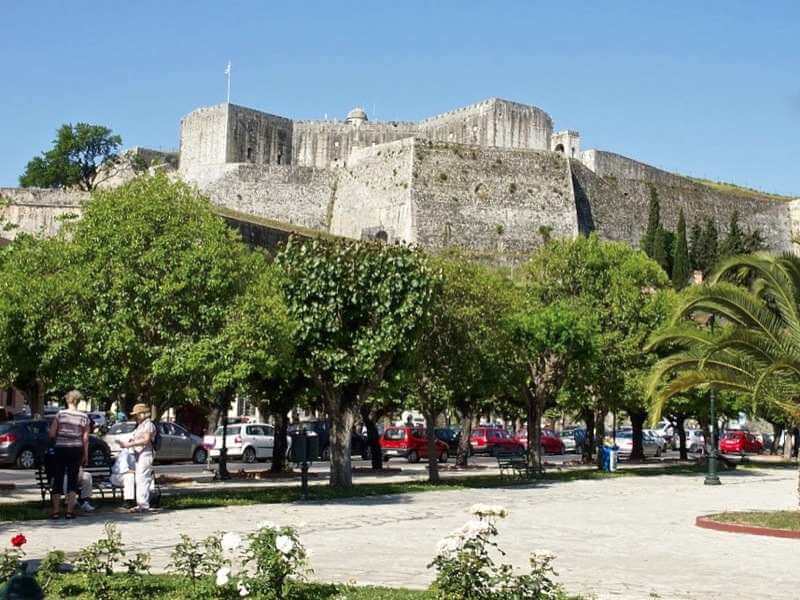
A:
<point x="650" y="444"/>
<point x="176" y="444"/>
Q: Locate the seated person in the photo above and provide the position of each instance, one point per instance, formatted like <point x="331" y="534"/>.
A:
<point x="123" y="475"/>
<point x="85" y="482"/>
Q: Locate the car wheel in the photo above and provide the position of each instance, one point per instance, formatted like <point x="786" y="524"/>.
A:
<point x="98" y="458"/>
<point x="26" y="459"/>
<point x="413" y="457"/>
<point x="249" y="455"/>
<point x="443" y="456"/>
<point x="200" y="456"/>
<point x="658" y="452"/>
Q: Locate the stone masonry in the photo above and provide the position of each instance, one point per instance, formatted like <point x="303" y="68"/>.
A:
<point x="488" y="177"/>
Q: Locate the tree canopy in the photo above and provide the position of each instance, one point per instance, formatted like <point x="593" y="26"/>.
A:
<point x="78" y="152"/>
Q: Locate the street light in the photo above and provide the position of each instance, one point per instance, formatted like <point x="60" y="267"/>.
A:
<point x="711" y="477"/>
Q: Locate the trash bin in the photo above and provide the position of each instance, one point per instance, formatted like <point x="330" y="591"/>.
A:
<point x="613" y="454"/>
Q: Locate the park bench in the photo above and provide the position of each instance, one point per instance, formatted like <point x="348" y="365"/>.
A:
<point x="512" y="464"/>
<point x="101" y="481"/>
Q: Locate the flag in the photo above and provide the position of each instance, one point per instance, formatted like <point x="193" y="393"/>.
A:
<point x="228" y="68"/>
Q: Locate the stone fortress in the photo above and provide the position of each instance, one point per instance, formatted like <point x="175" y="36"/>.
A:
<point x="489" y="177"/>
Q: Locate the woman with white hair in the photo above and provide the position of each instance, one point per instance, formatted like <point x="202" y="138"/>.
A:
<point x="141" y="444"/>
<point x="70" y="430"/>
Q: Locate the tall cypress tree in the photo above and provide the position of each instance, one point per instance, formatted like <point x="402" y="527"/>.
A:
<point x="735" y="242"/>
<point x="696" y="238"/>
<point x="660" y="249"/>
<point x="709" y="250"/>
<point x="653" y="224"/>
<point x="680" y="256"/>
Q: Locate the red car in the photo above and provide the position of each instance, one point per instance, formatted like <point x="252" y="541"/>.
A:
<point x="739" y="442"/>
<point x="489" y="440"/>
<point x="410" y="443"/>
<point x="550" y="441"/>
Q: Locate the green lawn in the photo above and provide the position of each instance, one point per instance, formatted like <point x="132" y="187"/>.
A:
<point x="173" y="587"/>
<point x="779" y="519"/>
<point x="31" y="511"/>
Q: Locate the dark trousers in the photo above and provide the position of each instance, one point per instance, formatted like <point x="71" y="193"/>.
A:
<point x="67" y="461"/>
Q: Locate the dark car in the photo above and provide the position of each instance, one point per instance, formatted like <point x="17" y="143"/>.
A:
<point x="450" y="436"/>
<point x="23" y="443"/>
<point x="358" y="443"/>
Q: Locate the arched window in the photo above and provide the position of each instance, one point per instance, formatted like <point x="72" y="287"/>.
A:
<point x="560" y="148"/>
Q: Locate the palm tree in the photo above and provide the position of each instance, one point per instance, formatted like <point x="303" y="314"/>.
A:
<point x="756" y="348"/>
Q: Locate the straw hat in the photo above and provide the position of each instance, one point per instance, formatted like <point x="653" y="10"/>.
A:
<point x="139" y="409"/>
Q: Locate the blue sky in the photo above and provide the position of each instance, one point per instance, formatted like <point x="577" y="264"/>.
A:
<point x="703" y="88"/>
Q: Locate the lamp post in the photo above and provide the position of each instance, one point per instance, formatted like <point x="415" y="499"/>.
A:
<point x="711" y="477"/>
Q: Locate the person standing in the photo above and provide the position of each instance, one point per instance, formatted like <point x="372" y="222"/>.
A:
<point x="142" y="445"/>
<point x="70" y="431"/>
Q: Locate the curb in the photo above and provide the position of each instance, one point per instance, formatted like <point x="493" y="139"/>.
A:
<point x="706" y="522"/>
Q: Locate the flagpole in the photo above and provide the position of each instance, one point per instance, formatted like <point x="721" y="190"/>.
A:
<point x="228" y="73"/>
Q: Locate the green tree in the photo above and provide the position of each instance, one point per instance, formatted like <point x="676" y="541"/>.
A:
<point x="680" y="256"/>
<point x="755" y="348"/>
<point x="661" y="249"/>
<point x="77" y="153"/>
<point x="550" y="338"/>
<point x="358" y="306"/>
<point x="653" y="224"/>
<point x="160" y="271"/>
<point x="626" y="292"/>
<point x="708" y="251"/>
<point x="695" y="246"/>
<point x="735" y="242"/>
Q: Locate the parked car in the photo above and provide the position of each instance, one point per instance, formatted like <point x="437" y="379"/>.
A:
<point x="695" y="441"/>
<point x="450" y="436"/>
<point x="99" y="421"/>
<point x="410" y="443"/>
<point x="550" y="441"/>
<point x="23" y="443"/>
<point x="358" y="442"/>
<point x="739" y="442"/>
<point x="664" y="430"/>
<point x="490" y="440"/>
<point x="177" y="444"/>
<point x="658" y="438"/>
<point x="573" y="438"/>
<point x="651" y="446"/>
<point x="248" y="442"/>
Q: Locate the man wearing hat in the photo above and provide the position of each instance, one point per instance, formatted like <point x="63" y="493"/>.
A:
<point x="142" y="446"/>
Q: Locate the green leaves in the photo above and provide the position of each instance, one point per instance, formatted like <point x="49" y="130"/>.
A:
<point x="77" y="153"/>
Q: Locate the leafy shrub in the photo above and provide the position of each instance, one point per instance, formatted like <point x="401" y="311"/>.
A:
<point x="466" y="570"/>
<point x="275" y="555"/>
<point x="195" y="560"/>
<point x="97" y="562"/>
<point x="11" y="558"/>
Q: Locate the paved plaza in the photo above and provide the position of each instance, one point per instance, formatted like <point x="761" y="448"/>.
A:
<point x="627" y="538"/>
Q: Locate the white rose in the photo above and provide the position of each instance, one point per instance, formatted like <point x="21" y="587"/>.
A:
<point x="284" y="544"/>
<point x="473" y="529"/>
<point x="231" y="541"/>
<point x="243" y="591"/>
<point x="448" y="545"/>
<point x="223" y="576"/>
<point x="488" y="510"/>
<point x="266" y="525"/>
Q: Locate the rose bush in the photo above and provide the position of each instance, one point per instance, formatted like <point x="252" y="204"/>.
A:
<point x="11" y="558"/>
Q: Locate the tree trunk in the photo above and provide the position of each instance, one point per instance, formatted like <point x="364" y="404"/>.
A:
<point x="373" y="439"/>
<point x="600" y="434"/>
<point x="433" y="454"/>
<point x="587" y="450"/>
<point x="535" y="409"/>
<point x="212" y="420"/>
<point x="637" y="422"/>
<point x="680" y="428"/>
<point x="342" y="420"/>
<point x="788" y="444"/>
<point x="777" y="430"/>
<point x="464" y="449"/>
<point x="280" y="446"/>
<point x="34" y="395"/>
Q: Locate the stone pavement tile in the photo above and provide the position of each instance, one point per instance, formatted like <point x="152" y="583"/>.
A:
<point x="622" y="538"/>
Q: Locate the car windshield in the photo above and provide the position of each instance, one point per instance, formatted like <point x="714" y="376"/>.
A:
<point x="567" y="434"/>
<point x="731" y="435"/>
<point x="624" y="435"/>
<point x="395" y="434"/>
<point x="121" y="428"/>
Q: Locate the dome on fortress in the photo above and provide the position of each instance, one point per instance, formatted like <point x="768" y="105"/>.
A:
<point x="356" y="115"/>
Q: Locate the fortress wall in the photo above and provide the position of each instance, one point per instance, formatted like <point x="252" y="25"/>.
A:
<point x="291" y="194"/>
<point x="323" y="144"/>
<point x="373" y="193"/>
<point x="490" y="200"/>
<point x="258" y="137"/>
<point x="204" y="136"/>
<point x="608" y="164"/>
<point x="492" y="123"/>
<point x="619" y="207"/>
<point x="38" y="211"/>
